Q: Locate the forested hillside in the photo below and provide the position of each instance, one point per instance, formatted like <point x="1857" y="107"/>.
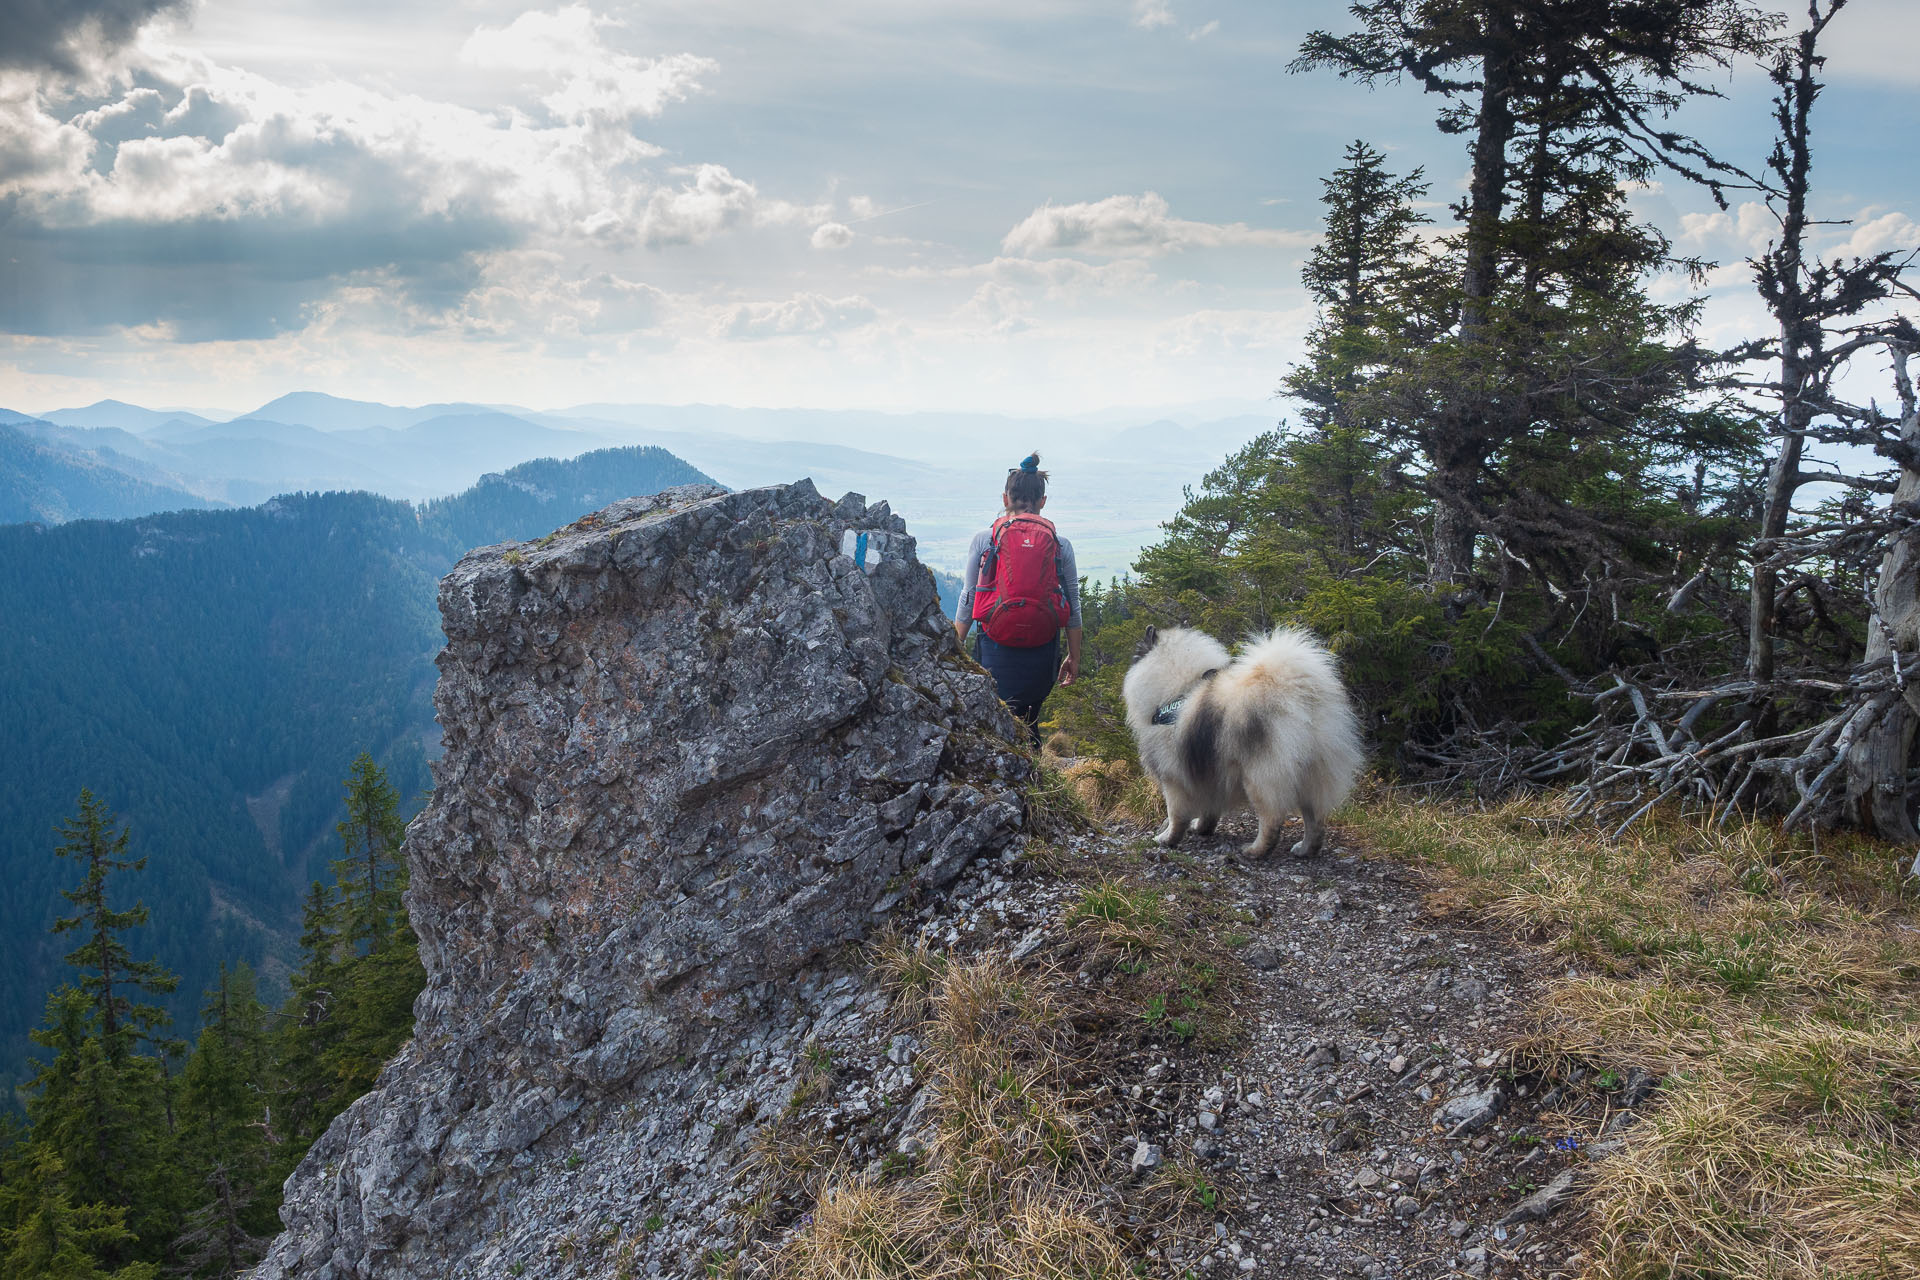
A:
<point x="210" y="675"/>
<point x="48" y="483"/>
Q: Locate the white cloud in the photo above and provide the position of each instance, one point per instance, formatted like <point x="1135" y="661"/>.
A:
<point x="323" y="154"/>
<point x="595" y="82"/>
<point x="1751" y="228"/>
<point x="1748" y="229"/>
<point x="1203" y="31"/>
<point x="198" y="141"/>
<point x="997" y="308"/>
<point x="1233" y="333"/>
<point x="1131" y="226"/>
<point x="1069" y="278"/>
<point x="699" y="210"/>
<point x="329" y="185"/>
<point x="1149" y="14"/>
<point x="832" y="235"/>
<point x="1889" y="232"/>
<point x="539" y="292"/>
<point x="36" y="150"/>
<point x="802" y="314"/>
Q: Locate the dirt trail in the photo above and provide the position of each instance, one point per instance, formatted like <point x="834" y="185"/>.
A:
<point x="1342" y="1100"/>
<point x="1370" y="1119"/>
<point x="1374" y="1117"/>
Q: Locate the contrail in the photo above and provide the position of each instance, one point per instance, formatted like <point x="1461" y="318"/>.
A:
<point x="886" y="212"/>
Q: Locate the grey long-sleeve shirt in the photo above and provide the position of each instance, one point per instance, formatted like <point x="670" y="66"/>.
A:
<point x="1069" y="576"/>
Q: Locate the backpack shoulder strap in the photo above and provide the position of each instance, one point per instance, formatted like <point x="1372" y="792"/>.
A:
<point x="990" y="554"/>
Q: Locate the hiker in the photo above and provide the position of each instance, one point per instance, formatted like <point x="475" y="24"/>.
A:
<point x="1022" y="587"/>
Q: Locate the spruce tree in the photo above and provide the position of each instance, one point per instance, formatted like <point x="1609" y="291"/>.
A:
<point x="111" y="976"/>
<point x="60" y="1240"/>
<point x="352" y="1003"/>
<point x="1368" y="277"/>
<point x="226" y="1132"/>
<point x="369" y="871"/>
<point x="309" y="1030"/>
<point x="1554" y="369"/>
<point x="97" y="1104"/>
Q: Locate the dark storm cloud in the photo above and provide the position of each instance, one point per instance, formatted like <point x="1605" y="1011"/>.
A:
<point x="208" y="280"/>
<point x="165" y="111"/>
<point x="57" y="34"/>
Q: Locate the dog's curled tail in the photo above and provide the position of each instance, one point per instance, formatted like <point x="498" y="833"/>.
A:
<point x="1291" y="663"/>
<point x="1288" y="674"/>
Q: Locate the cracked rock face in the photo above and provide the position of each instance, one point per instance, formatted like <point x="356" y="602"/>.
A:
<point x="694" y="743"/>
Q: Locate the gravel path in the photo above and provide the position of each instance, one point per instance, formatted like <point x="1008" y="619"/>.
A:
<point x="1372" y="1121"/>
<point x="1364" y="1118"/>
<point x="1375" y="1120"/>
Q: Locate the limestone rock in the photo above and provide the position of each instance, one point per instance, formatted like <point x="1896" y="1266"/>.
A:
<point x="1543" y="1202"/>
<point x="1471" y="1108"/>
<point x="692" y="742"/>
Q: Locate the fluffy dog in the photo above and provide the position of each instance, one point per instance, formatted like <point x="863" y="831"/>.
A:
<point x="1271" y="728"/>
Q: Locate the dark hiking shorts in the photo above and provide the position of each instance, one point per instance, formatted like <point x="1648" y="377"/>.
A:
<point x="1024" y="677"/>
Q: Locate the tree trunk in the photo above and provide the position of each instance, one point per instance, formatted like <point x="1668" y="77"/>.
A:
<point x="1453" y="533"/>
<point x="1879" y="764"/>
<point x="1800" y="343"/>
<point x="1455" y="456"/>
<point x="1782" y="481"/>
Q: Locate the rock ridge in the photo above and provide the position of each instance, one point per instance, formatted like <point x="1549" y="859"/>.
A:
<point x="695" y="743"/>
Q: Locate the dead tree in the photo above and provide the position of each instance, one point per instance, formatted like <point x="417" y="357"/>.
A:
<point x="1880" y="767"/>
<point x="1821" y="724"/>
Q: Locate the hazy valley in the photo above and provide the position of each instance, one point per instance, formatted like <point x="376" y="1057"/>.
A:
<point x="1115" y="481"/>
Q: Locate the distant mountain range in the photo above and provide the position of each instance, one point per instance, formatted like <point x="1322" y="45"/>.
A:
<point x="211" y="675"/>
<point x="51" y="483"/>
<point x="118" y="415"/>
<point x="1113" y="484"/>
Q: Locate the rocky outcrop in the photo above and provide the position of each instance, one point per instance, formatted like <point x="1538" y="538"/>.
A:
<point x="695" y="743"/>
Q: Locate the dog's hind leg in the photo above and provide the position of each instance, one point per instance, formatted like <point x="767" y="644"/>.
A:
<point x="1271" y="817"/>
<point x="1181" y="812"/>
<point x="1205" y="823"/>
<point x="1316" y="831"/>
<point x="1318" y="797"/>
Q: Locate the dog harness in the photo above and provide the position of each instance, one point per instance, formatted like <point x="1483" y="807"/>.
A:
<point x="1168" y="712"/>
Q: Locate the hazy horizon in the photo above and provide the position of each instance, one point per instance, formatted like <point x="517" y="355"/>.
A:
<point x="1114" y="482"/>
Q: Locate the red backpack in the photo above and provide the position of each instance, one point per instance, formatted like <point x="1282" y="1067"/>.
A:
<point x="1017" y="600"/>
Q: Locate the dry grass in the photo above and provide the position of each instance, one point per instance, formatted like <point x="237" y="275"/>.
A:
<point x="863" y="1232"/>
<point x="1114" y="790"/>
<point x="1055" y="805"/>
<point x="1775" y="985"/>
<point x="1007" y="1191"/>
<point x="909" y="973"/>
<point x="1713" y="1185"/>
<point x="1167" y="955"/>
<point x="1115" y="913"/>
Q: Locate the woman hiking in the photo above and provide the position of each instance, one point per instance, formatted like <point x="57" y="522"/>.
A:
<point x="1023" y="588"/>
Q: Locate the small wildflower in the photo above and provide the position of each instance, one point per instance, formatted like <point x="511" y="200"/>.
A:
<point x="1568" y="1143"/>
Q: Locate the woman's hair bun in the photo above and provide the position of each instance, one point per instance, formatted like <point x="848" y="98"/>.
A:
<point x="1030" y="463"/>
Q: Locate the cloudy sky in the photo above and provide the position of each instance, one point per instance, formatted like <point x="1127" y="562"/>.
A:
<point x="1029" y="206"/>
